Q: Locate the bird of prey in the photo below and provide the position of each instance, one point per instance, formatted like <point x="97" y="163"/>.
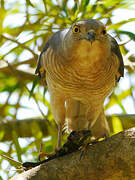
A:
<point x="80" y="65"/>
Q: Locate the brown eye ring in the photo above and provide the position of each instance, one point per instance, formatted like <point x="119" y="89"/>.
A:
<point x="104" y="31"/>
<point x="76" y="29"/>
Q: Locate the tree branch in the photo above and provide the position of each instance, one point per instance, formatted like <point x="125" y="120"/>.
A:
<point x="111" y="159"/>
<point x="22" y="127"/>
<point x="27" y="75"/>
<point x="13" y="70"/>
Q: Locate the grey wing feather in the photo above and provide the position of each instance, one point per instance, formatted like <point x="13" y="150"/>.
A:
<point x="115" y="49"/>
<point x="55" y="41"/>
<point x="39" y="64"/>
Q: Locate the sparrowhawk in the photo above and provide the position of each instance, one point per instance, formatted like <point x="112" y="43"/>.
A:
<point x="81" y="65"/>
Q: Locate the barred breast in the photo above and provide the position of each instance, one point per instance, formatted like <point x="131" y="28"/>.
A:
<point x="87" y="78"/>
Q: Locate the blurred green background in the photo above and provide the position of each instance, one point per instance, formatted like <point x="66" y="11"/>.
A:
<point x="25" y="116"/>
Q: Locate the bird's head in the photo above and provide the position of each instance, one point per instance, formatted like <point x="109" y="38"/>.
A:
<point x="85" y="34"/>
<point x="87" y="29"/>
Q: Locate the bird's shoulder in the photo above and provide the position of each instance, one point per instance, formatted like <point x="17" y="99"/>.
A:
<point x="116" y="50"/>
<point x="53" y="43"/>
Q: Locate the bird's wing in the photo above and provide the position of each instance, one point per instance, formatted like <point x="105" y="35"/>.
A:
<point x="40" y="69"/>
<point x="116" y="50"/>
<point x="53" y="43"/>
<point x="39" y="64"/>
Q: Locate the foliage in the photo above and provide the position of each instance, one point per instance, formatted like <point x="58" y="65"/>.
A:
<point x="24" y="28"/>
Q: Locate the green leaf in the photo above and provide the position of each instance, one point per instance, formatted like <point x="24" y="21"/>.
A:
<point x="2" y="134"/>
<point x="45" y="89"/>
<point x="116" y="99"/>
<point x="75" y="5"/>
<point x="17" y="145"/>
<point x="130" y="34"/>
<point x="35" y="82"/>
<point x="119" y="24"/>
<point x="117" y="125"/>
<point x="29" y="3"/>
<point x="48" y="148"/>
<point x="36" y="131"/>
<point x="64" y="7"/>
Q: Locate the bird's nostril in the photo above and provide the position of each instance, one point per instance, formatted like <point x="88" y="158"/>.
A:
<point x="91" y="34"/>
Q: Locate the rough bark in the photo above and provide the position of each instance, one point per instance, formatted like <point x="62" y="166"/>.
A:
<point x="111" y="159"/>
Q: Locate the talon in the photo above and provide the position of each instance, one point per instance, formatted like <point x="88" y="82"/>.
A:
<point x="81" y="154"/>
<point x="105" y="136"/>
<point x="84" y="141"/>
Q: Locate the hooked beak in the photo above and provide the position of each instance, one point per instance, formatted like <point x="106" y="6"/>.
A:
<point x="90" y="36"/>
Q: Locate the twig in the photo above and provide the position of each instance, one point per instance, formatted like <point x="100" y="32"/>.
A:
<point x="40" y="149"/>
<point x="33" y="95"/>
<point x="124" y="42"/>
<point x="11" y="159"/>
<point x="21" y="44"/>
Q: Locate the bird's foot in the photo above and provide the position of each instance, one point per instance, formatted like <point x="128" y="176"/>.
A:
<point x="87" y="140"/>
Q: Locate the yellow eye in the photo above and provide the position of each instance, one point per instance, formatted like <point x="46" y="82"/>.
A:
<point x="76" y="29"/>
<point x="104" y="31"/>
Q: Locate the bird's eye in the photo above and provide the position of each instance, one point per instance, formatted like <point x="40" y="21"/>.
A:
<point x="76" y="29"/>
<point x="104" y="31"/>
